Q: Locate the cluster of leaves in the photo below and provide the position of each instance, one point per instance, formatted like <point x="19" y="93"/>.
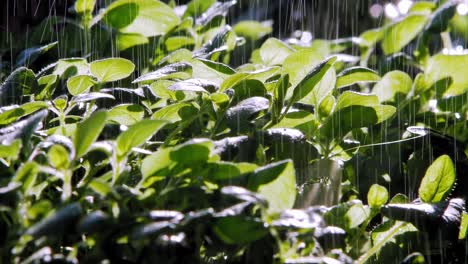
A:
<point x="194" y="161"/>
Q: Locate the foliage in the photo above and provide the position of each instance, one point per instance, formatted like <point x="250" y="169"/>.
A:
<point x="169" y="154"/>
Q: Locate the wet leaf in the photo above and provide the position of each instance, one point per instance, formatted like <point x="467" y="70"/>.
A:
<point x="377" y="196"/>
<point x="22" y="129"/>
<point x="398" y="35"/>
<point x="195" y="150"/>
<point x="137" y="134"/>
<point x="13" y="113"/>
<point x="392" y="84"/>
<point x="195" y="85"/>
<point x="20" y="82"/>
<point x="441" y="66"/>
<point x="239" y="116"/>
<point x="438" y="180"/>
<point x="355" y="75"/>
<point x="81" y="98"/>
<point x="80" y="84"/>
<point x="180" y="70"/>
<point x="239" y="229"/>
<point x="88" y="131"/>
<point x="57" y="223"/>
<point x="126" y="114"/>
<point x="111" y="69"/>
<point x="28" y="56"/>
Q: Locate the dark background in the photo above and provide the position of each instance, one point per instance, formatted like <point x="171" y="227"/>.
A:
<point x="324" y="18"/>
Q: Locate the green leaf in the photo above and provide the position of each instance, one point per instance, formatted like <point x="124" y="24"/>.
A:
<point x="84" y="6"/>
<point x="441" y="66"/>
<point x="377" y="196"/>
<point x="156" y="162"/>
<point x="145" y="17"/>
<point x="71" y="67"/>
<point x="15" y="112"/>
<point x="80" y="84"/>
<point x="197" y="7"/>
<point x="222" y="170"/>
<point x="58" y="157"/>
<point x="193" y="151"/>
<point x="392" y="84"/>
<point x="300" y="63"/>
<point x="175" y="112"/>
<point x="46" y="87"/>
<point x="126" y="114"/>
<point x="463" y="227"/>
<point x="438" y="180"/>
<point x="326" y="106"/>
<point x="112" y="69"/>
<point x="11" y="150"/>
<point x="398" y="35"/>
<point x="88" y="131"/>
<point x="350" y="98"/>
<point x="128" y="40"/>
<point x="27" y="175"/>
<point x="253" y="30"/>
<point x="355" y="75"/>
<point x="309" y="82"/>
<point x="274" y="52"/>
<point x="239" y="230"/>
<point x="277" y="183"/>
<point x="137" y="134"/>
<point x="261" y="75"/>
<point x="22" y="81"/>
<point x="301" y="120"/>
<point x="179" y="70"/>
<point x="30" y="55"/>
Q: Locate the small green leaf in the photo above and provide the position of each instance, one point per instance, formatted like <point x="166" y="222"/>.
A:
<point x="88" y="131"/>
<point x="274" y="52"/>
<point x="137" y="134"/>
<point x="326" y="106"/>
<point x="20" y="82"/>
<point x="80" y="84"/>
<point x="156" y="162"/>
<point x="463" y="227"/>
<point x="398" y="35"/>
<point x="84" y="6"/>
<point x="46" y="87"/>
<point x="355" y="75"/>
<point x="392" y="83"/>
<point x="112" y="69"/>
<point x="277" y="183"/>
<point x="58" y="157"/>
<point x="11" y="150"/>
<point x="377" y="196"/>
<point x="175" y="112"/>
<point x="197" y="7"/>
<point x="126" y="114"/>
<point x="438" y="180"/>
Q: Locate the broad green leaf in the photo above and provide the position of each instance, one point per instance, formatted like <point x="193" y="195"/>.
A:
<point x="126" y="114"/>
<point x="145" y="17"/>
<point x="208" y="70"/>
<point x="423" y="7"/>
<point x="84" y="6"/>
<point x="112" y="69"/>
<point x="398" y="35"/>
<point x="277" y="183"/>
<point x="300" y="63"/>
<point x="274" y="52"/>
<point x="156" y="162"/>
<point x="222" y="170"/>
<point x="193" y="151"/>
<point x="30" y="55"/>
<point x="81" y="98"/>
<point x="308" y="83"/>
<point x="438" y="180"/>
<point x="260" y="75"/>
<point x="128" y="40"/>
<point x="301" y="120"/>
<point x="235" y="230"/>
<point x="355" y="75"/>
<point x="372" y="36"/>
<point x="441" y="17"/>
<point x="179" y="70"/>
<point x="441" y="66"/>
<point x="197" y="7"/>
<point x="88" y="131"/>
<point x="71" y="67"/>
<point x="137" y="134"/>
<point x="22" y="81"/>
<point x="377" y="196"/>
<point x="392" y="84"/>
<point x="80" y="84"/>
<point x="248" y="88"/>
<point x="178" y="42"/>
<point x="175" y="112"/>
<point x="347" y="215"/>
<point x="253" y="30"/>
<point x="238" y="117"/>
<point x="194" y="85"/>
<point x="22" y="129"/>
<point x="326" y="106"/>
<point x="350" y="98"/>
<point x="15" y="112"/>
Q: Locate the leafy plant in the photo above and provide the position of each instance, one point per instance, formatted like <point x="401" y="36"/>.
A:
<point x="176" y="156"/>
